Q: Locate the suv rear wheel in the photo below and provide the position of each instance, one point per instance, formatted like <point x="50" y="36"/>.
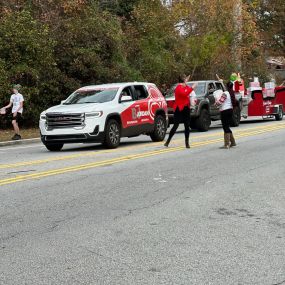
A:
<point x="54" y="147"/>
<point x="112" y="134"/>
<point x="160" y="127"/>
<point x="203" y="122"/>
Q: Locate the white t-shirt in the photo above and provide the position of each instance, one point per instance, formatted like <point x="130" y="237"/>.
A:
<point x="16" y="100"/>
<point x="193" y="99"/>
<point x="223" y="99"/>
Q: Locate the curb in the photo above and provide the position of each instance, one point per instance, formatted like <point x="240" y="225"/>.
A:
<point x="20" y="142"/>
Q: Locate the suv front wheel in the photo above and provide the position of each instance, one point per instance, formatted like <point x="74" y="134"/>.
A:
<point x="112" y="134"/>
<point x="160" y="127"/>
<point x="54" y="147"/>
<point x="203" y="122"/>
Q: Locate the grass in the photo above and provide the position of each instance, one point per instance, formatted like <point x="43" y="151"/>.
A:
<point x="6" y="135"/>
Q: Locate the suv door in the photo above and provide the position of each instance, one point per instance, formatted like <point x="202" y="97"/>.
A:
<point x="142" y="107"/>
<point x="128" y="117"/>
<point x="135" y="118"/>
<point x="211" y="88"/>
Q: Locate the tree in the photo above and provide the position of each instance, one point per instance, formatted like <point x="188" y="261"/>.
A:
<point x="26" y="57"/>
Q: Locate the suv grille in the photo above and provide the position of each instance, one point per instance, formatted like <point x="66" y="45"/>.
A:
<point x="59" y="121"/>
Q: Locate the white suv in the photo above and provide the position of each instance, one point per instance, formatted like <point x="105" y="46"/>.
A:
<point x="104" y="114"/>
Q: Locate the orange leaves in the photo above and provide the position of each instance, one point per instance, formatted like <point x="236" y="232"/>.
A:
<point x="73" y="6"/>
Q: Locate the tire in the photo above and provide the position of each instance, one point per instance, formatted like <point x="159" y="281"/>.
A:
<point x="236" y="117"/>
<point x="160" y="127"/>
<point x="203" y="122"/>
<point x="112" y="134"/>
<point x="54" y="147"/>
<point x="279" y="116"/>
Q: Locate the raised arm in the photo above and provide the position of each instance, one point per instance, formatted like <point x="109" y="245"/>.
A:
<point x="194" y="86"/>
<point x="220" y="79"/>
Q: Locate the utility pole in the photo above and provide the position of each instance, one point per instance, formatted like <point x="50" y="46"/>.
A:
<point x="238" y="26"/>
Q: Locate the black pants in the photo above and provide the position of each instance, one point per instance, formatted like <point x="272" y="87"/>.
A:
<point x="18" y="117"/>
<point x="226" y="118"/>
<point x="181" y="117"/>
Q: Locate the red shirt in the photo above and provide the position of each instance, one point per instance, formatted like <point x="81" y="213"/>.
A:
<point x="182" y="96"/>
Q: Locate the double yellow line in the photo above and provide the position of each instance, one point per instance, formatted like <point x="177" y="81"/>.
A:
<point x="140" y="146"/>
<point x="38" y="175"/>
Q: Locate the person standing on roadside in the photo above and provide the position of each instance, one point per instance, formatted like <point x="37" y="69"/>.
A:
<point x="16" y="102"/>
<point x="181" y="109"/>
<point x="226" y="101"/>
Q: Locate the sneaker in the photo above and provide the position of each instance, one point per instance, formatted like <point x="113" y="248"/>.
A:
<point x="16" y="137"/>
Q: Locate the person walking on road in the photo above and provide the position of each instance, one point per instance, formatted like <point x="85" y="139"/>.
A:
<point x="226" y="101"/>
<point x="181" y="109"/>
<point x="16" y="102"/>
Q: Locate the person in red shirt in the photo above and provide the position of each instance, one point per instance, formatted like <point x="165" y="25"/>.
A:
<point x="181" y="109"/>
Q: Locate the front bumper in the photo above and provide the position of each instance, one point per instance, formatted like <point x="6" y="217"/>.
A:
<point x="91" y="132"/>
<point x="73" y="138"/>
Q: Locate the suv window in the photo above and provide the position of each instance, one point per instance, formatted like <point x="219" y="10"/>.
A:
<point x="140" y="92"/>
<point x="211" y="86"/>
<point x="127" y="91"/>
<point x="200" y="89"/>
<point x="91" y="96"/>
<point x="219" y="86"/>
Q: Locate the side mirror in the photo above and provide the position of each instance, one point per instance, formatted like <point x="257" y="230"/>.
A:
<point x="211" y="91"/>
<point x="126" y="99"/>
<point x="62" y="102"/>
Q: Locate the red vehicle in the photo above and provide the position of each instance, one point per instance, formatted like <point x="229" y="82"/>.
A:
<point x="260" y="105"/>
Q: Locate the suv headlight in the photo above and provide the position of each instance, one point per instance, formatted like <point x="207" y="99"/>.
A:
<point x="43" y="116"/>
<point x="96" y="114"/>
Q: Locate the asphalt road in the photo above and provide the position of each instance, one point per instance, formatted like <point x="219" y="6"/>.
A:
<point x="143" y="214"/>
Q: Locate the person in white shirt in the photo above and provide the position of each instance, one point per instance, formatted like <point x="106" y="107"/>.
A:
<point x="17" y="103"/>
<point x="226" y="101"/>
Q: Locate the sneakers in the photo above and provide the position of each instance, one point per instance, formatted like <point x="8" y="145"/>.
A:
<point x="16" y="137"/>
<point x="187" y="145"/>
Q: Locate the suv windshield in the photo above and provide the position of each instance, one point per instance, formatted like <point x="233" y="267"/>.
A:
<point x="91" y="96"/>
<point x="200" y="89"/>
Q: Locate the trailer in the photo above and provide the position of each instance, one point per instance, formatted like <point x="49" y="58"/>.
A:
<point x="260" y="102"/>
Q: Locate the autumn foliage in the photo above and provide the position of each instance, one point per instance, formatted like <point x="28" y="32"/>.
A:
<point x="52" y="47"/>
